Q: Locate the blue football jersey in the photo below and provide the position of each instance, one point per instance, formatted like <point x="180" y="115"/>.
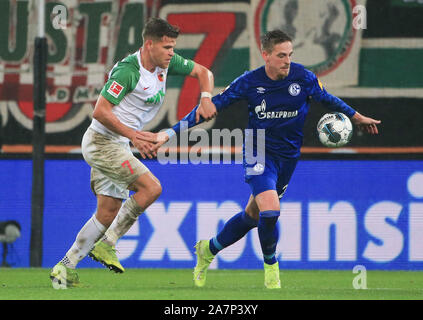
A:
<point x="278" y="106"/>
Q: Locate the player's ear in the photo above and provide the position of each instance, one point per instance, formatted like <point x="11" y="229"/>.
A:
<point x="264" y="55"/>
<point x="148" y="43"/>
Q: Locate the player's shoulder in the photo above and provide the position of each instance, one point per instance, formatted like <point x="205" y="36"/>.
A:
<point x="243" y="79"/>
<point x="299" y="72"/>
<point x="131" y="61"/>
<point x="180" y="65"/>
<point x="248" y="74"/>
<point x="251" y="76"/>
<point x="128" y="65"/>
<point x="126" y="70"/>
<point x="177" y="57"/>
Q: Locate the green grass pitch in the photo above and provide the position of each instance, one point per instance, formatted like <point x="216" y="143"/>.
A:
<point x="176" y="284"/>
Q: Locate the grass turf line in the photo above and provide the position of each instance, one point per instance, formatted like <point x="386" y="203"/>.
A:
<point x="177" y="284"/>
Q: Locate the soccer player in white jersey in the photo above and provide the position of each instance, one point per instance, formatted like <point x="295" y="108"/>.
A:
<point x="130" y="99"/>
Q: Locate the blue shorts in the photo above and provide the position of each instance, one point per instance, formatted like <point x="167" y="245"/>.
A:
<point x="275" y="175"/>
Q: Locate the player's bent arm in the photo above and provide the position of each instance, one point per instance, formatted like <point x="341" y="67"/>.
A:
<point x="103" y="113"/>
<point x="207" y="109"/>
<point x="205" y="78"/>
<point x="141" y="140"/>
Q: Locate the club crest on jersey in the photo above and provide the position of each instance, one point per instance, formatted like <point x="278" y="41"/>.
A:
<point x="161" y="77"/>
<point x="294" y="89"/>
<point x="115" y="89"/>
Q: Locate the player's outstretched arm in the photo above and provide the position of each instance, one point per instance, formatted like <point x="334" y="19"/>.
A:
<point x="234" y="92"/>
<point x="365" y="123"/>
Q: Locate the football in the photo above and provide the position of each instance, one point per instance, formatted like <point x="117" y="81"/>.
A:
<point x="334" y="130"/>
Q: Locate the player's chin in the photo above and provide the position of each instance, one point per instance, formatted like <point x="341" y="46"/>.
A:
<point x="165" y="65"/>
<point x="285" y="72"/>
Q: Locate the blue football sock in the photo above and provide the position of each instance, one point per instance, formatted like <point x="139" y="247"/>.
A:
<point x="233" y="230"/>
<point x="268" y="234"/>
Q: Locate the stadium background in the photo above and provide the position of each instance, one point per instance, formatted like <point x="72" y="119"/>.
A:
<point x="358" y="205"/>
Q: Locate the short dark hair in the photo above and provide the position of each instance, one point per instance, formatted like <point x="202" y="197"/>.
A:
<point x="270" y="38"/>
<point x="156" y="28"/>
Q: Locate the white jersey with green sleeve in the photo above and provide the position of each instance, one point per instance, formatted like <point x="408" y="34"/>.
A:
<point x="136" y="93"/>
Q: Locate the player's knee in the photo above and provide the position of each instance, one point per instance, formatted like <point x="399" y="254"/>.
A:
<point x="107" y="209"/>
<point x="155" y="190"/>
<point x="252" y="212"/>
<point x="112" y="209"/>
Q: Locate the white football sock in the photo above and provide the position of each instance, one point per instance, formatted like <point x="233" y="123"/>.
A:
<point x="126" y="217"/>
<point x="85" y="240"/>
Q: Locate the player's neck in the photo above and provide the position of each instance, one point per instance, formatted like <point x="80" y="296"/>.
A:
<point x="146" y="61"/>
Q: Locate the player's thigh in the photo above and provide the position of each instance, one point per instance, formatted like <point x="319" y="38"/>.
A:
<point x="286" y="169"/>
<point x="107" y="209"/>
<point x="102" y="185"/>
<point x="147" y="183"/>
<point x="262" y="185"/>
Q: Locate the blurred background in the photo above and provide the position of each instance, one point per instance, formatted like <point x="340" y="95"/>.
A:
<point x="362" y="204"/>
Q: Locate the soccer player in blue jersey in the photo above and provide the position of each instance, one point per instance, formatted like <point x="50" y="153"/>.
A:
<point x="278" y="96"/>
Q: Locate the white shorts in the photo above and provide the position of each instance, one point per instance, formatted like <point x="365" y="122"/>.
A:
<point x="113" y="166"/>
